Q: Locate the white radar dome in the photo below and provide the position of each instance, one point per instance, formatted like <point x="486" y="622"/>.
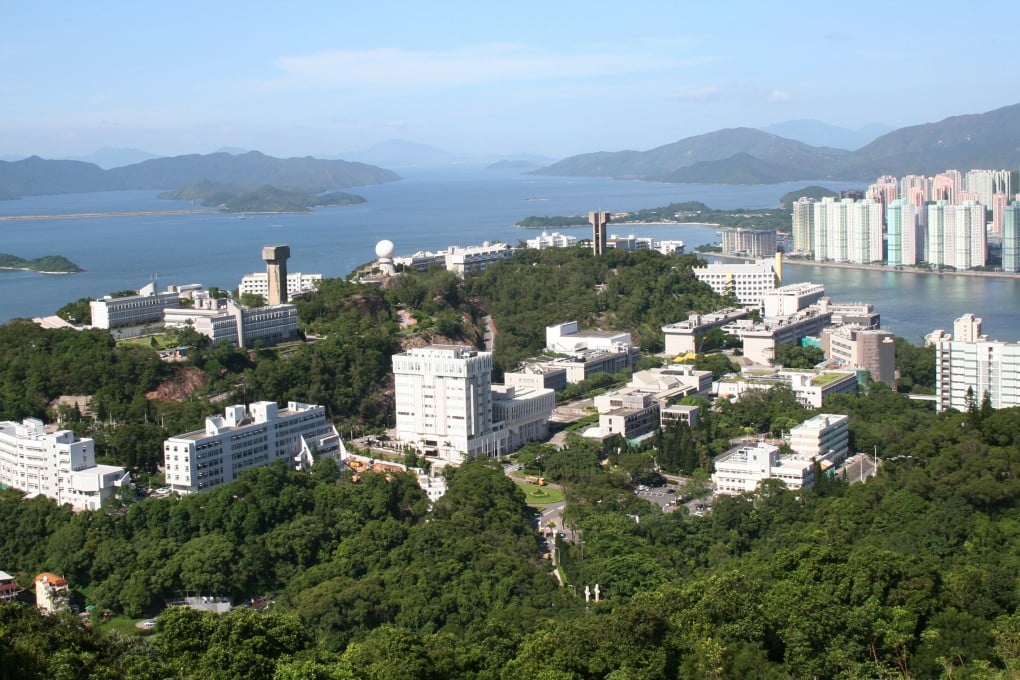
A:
<point x="384" y="248"/>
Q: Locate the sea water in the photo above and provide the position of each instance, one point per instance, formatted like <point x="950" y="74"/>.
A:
<point x="427" y="210"/>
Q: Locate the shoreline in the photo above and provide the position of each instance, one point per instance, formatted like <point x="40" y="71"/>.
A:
<point x="37" y="271"/>
<point x="871" y="267"/>
<point x="79" y="216"/>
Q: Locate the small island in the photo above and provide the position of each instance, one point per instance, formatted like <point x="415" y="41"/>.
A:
<point x="49" y="264"/>
<point x="267" y="199"/>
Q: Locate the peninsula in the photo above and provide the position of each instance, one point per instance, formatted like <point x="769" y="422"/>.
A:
<point x="266" y="199"/>
<point x="49" y="264"/>
<point x="690" y="212"/>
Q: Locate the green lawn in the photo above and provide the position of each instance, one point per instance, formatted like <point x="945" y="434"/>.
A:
<point x="125" y="625"/>
<point x="540" y="495"/>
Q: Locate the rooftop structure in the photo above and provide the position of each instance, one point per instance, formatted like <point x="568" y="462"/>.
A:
<point x="682" y="337"/>
<point x="51" y="593"/>
<point x="567" y="338"/>
<point x="56" y="464"/>
<point x="598" y="221"/>
<point x="276" y="269"/>
<point x="457" y="259"/>
<point x="824" y="437"/>
<point x="788" y="300"/>
<point x="246" y="438"/>
<point x="810" y="388"/>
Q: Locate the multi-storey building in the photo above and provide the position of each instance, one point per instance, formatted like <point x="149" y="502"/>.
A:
<point x="224" y="320"/>
<point x="870" y="349"/>
<point x="246" y="438"/>
<point x="946" y="186"/>
<point x="683" y="337"/>
<point x="822" y="440"/>
<point x="56" y="464"/>
<point x="553" y="240"/>
<point x="824" y="437"/>
<point x="848" y="230"/>
<point x="969" y="366"/>
<point x="297" y="284"/>
<point x="756" y="243"/>
<point x="802" y="226"/>
<point x="1011" y="237"/>
<point x="447" y="405"/>
<point x="986" y="183"/>
<point x="903" y="224"/>
<point x="133" y="310"/>
<point x="630" y="242"/>
<point x="746" y="281"/>
<point x="915" y="189"/>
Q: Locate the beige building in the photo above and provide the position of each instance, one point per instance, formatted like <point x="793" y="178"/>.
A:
<point x="871" y="349"/>
<point x="51" y="593"/>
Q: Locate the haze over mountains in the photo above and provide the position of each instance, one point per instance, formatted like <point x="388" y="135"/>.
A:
<point x="749" y="156"/>
<point x="36" y="176"/>
<point x="730" y="156"/>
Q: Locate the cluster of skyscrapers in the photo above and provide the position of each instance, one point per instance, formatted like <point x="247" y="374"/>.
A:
<point x="945" y="221"/>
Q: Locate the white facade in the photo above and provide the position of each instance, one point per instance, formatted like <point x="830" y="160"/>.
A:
<point x="788" y="300"/>
<point x="825" y="436"/>
<point x="968" y="366"/>
<point x="448" y="407"/>
<point x="443" y="397"/>
<point x="225" y="320"/>
<point x="568" y="338"/>
<point x="471" y="259"/>
<point x="747" y="281"/>
<point x="56" y="464"/>
<point x="246" y="438"/>
<point x="741" y="470"/>
<point x="553" y="240"/>
<point x="297" y="283"/>
<point x="135" y="310"/>
<point x="847" y="230"/>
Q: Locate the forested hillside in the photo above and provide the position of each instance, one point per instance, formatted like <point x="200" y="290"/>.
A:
<point x="915" y="573"/>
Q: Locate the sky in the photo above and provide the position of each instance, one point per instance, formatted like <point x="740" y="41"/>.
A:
<point x="553" y="78"/>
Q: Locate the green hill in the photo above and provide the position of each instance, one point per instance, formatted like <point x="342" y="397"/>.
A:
<point x="48" y="264"/>
<point x="234" y="198"/>
<point x="745" y="155"/>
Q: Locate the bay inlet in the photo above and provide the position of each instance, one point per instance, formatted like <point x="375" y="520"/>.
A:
<point x="428" y="210"/>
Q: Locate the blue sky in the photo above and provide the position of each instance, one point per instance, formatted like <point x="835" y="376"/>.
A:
<point x="554" y="78"/>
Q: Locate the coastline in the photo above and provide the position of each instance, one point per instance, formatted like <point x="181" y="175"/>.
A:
<point x="873" y="267"/>
<point x="37" y="271"/>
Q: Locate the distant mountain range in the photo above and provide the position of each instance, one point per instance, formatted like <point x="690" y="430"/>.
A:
<point x="749" y="156"/>
<point x="817" y="133"/>
<point x="399" y="153"/>
<point x="35" y="176"/>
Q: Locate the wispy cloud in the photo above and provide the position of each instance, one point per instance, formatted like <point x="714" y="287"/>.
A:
<point x="480" y="65"/>
<point x="741" y="93"/>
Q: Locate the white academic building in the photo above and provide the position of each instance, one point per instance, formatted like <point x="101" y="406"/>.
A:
<point x="297" y="284"/>
<point x="219" y="319"/>
<point x="448" y="407"/>
<point x="748" y="281"/>
<point x="822" y="441"/>
<point x="968" y="366"/>
<point x="57" y="464"/>
<point x="554" y="240"/>
<point x="134" y="310"/>
<point x="246" y="438"/>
